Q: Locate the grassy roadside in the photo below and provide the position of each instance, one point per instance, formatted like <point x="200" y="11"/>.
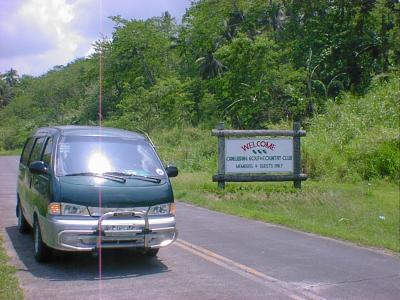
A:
<point x="365" y="213"/>
<point x="9" y="286"/>
<point x="10" y="152"/>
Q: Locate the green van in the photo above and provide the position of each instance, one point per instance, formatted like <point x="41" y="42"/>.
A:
<point x="83" y="188"/>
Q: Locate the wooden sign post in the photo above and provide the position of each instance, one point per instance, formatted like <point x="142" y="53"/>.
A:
<point x="252" y="155"/>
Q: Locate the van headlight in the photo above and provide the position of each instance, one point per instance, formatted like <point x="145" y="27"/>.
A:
<point x="67" y="209"/>
<point x="160" y="209"/>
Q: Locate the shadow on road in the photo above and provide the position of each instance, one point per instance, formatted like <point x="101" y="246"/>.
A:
<point x="68" y="266"/>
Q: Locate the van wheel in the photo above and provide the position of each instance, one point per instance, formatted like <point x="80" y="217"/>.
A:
<point x="41" y="250"/>
<point x="23" y="226"/>
<point x="150" y="252"/>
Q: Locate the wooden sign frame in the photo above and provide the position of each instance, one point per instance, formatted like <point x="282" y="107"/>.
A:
<point x="297" y="177"/>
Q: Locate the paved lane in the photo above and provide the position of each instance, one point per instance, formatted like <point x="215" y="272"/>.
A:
<point x="217" y="257"/>
<point x="327" y="267"/>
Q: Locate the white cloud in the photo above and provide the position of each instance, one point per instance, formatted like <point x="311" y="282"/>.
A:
<point x="39" y="34"/>
<point x="51" y="20"/>
<point x="48" y="12"/>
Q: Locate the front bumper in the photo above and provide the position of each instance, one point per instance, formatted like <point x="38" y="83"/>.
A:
<point x="88" y="233"/>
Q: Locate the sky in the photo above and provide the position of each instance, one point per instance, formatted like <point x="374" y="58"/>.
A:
<point x="36" y="35"/>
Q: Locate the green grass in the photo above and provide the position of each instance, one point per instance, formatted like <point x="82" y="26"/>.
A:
<point x="191" y="149"/>
<point x="9" y="286"/>
<point x="365" y="213"/>
<point x="10" y="152"/>
<point x="358" y="136"/>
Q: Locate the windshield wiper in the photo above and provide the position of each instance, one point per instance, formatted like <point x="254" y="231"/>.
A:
<point x="130" y="175"/>
<point x="100" y="175"/>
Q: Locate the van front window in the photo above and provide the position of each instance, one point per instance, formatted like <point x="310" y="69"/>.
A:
<point x="81" y="154"/>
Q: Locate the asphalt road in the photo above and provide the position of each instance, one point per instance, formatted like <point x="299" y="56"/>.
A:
<point x="217" y="256"/>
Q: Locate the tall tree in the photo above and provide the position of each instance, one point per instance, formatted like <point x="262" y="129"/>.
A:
<point x="11" y="77"/>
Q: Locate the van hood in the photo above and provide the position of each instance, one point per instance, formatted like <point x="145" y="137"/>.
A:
<point x="90" y="191"/>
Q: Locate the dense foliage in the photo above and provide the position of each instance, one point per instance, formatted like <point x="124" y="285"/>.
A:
<point x="249" y="63"/>
<point x="357" y="138"/>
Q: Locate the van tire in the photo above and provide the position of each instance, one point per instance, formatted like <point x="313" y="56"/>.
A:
<point x="23" y="226"/>
<point x="41" y="251"/>
<point x="150" y="252"/>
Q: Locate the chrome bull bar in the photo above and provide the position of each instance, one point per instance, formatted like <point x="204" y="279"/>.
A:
<point x="114" y="229"/>
<point x="112" y="214"/>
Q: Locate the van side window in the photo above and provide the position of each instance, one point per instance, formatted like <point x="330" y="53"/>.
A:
<point x="27" y="151"/>
<point x="37" y="150"/>
<point x="47" y="151"/>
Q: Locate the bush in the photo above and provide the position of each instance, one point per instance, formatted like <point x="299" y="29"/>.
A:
<point x="357" y="139"/>
<point x="382" y="162"/>
<point x="190" y="149"/>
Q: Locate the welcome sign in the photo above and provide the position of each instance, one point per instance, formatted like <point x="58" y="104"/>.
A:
<point x="258" y="155"/>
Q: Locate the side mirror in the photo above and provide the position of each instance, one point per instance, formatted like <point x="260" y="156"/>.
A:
<point x="172" y="171"/>
<point x="39" y="168"/>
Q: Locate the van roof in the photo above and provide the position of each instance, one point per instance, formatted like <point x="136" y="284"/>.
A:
<point x="73" y="130"/>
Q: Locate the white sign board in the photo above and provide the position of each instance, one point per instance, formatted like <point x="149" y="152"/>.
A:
<point x="258" y="155"/>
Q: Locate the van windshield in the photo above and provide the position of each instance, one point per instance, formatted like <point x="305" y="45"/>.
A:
<point x="86" y="154"/>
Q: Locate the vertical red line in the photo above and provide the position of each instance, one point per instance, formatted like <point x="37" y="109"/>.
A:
<point x="101" y="87"/>
<point x="101" y="57"/>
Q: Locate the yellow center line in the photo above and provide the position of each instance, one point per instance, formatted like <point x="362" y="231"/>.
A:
<point x="275" y="284"/>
